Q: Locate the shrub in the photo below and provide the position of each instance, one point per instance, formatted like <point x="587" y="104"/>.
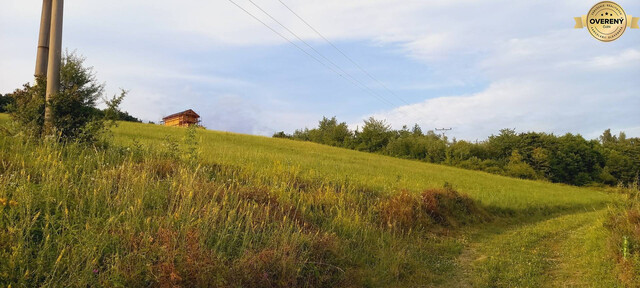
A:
<point x="27" y="108"/>
<point x="75" y="116"/>
<point x="73" y="108"/>
<point x="447" y="207"/>
<point x="519" y="169"/>
<point x="403" y="211"/>
<point x="434" y="207"/>
<point x="375" y="135"/>
<point x="5" y="101"/>
<point x="281" y="134"/>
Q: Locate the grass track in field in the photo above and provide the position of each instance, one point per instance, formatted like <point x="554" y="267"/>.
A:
<point x="564" y="251"/>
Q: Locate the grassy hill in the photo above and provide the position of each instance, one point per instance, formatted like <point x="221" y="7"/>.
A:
<point x="369" y="171"/>
<point x="177" y="207"/>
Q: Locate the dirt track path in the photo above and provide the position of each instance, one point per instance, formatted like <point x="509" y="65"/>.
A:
<point x="564" y="251"/>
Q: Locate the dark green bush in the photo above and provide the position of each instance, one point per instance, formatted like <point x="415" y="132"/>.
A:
<point x="5" y="101"/>
<point x="27" y="107"/>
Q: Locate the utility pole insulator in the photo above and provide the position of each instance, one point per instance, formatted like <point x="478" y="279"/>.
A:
<point x="443" y="130"/>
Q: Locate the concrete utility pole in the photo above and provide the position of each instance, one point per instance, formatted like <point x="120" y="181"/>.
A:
<point x="55" y="55"/>
<point x="43" y="40"/>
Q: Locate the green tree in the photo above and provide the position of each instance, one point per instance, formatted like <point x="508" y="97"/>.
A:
<point x="622" y="158"/>
<point x="416" y="130"/>
<point x="73" y="108"/>
<point x="5" y="101"/>
<point x="503" y="144"/>
<point x="281" y="134"/>
<point x="75" y="116"/>
<point x="112" y="112"/>
<point x="402" y="147"/>
<point x="620" y="166"/>
<point x="330" y="132"/>
<point x="607" y="138"/>
<point x="302" y="134"/>
<point x="414" y="145"/>
<point x="27" y="107"/>
<point x="540" y="161"/>
<point x="459" y="151"/>
<point x="576" y="161"/>
<point x="517" y="168"/>
<point x="375" y="135"/>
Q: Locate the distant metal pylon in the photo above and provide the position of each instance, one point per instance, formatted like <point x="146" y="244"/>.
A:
<point x="444" y="131"/>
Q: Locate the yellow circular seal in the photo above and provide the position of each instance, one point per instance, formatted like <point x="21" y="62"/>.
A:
<point x="606" y="21"/>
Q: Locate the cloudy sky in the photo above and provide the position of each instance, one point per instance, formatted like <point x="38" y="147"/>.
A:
<point x="475" y="66"/>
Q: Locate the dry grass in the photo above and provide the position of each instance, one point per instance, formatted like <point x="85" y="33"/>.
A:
<point x="433" y="207"/>
<point x="624" y="241"/>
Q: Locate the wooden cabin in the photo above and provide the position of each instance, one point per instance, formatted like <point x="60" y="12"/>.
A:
<point x="183" y="119"/>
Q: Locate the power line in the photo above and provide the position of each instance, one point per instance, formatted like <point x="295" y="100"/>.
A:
<point x="350" y="78"/>
<point x="303" y="50"/>
<point x="341" y="52"/>
<point x="320" y="54"/>
<point x="409" y="106"/>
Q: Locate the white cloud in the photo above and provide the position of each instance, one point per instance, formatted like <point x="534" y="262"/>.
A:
<point x="429" y="47"/>
<point x="548" y="83"/>
<point x="525" y="105"/>
<point x="629" y="57"/>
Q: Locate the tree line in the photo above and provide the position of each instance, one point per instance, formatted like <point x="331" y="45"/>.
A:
<point x="571" y="159"/>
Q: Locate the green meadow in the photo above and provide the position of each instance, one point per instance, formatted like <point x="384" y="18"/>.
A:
<point x="375" y="172"/>
<point x="174" y="207"/>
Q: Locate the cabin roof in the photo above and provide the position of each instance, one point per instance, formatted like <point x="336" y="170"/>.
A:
<point x="182" y="113"/>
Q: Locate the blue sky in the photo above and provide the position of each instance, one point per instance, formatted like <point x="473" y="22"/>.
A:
<point x="476" y="66"/>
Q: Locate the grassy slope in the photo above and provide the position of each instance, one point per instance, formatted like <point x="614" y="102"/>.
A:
<point x="90" y="228"/>
<point x="519" y="197"/>
<point x="376" y="172"/>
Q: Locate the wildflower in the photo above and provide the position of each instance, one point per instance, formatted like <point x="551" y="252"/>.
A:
<point x="7" y="202"/>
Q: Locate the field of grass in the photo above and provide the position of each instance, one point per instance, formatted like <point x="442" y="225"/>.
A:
<point x="373" y="172"/>
<point x="181" y="207"/>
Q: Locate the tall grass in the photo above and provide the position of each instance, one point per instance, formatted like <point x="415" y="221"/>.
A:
<point x="624" y="241"/>
<point x="154" y="215"/>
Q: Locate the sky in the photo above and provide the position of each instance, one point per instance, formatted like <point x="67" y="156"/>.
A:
<point x="474" y="66"/>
